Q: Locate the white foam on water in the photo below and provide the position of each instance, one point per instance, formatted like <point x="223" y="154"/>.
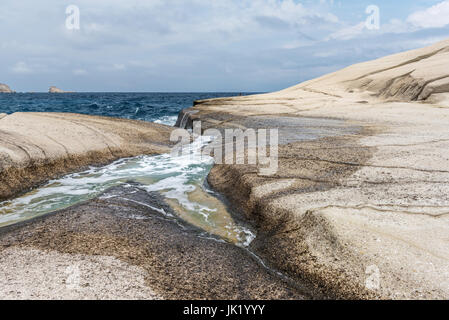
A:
<point x="167" y="120"/>
<point x="174" y="176"/>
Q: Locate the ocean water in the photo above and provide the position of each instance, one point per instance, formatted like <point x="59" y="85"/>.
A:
<point x="154" y="107"/>
<point x="180" y="178"/>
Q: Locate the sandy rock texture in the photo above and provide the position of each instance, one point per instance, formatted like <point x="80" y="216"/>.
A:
<point x="29" y="273"/>
<point x="36" y="147"/>
<point x="5" y="88"/>
<point x="363" y="214"/>
<point x="119" y="246"/>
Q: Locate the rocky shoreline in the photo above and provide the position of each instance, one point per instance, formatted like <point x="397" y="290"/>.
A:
<point x="121" y="233"/>
<point x="361" y="215"/>
<point x="358" y="208"/>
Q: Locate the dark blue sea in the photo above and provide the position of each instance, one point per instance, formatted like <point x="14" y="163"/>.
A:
<point x="155" y="107"/>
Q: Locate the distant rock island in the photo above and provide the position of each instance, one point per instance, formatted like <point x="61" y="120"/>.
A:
<point x="54" y="89"/>
<point x="5" y="88"/>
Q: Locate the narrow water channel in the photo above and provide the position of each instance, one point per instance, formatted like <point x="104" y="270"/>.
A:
<point x="178" y="178"/>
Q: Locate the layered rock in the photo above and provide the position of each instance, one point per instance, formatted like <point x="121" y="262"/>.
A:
<point x="5" y="89"/>
<point x="35" y="147"/>
<point x="417" y="75"/>
<point x="363" y="213"/>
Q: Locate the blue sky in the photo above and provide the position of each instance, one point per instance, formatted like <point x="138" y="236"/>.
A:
<point x="202" y="45"/>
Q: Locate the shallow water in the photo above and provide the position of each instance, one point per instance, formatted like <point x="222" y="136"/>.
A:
<point x="179" y="178"/>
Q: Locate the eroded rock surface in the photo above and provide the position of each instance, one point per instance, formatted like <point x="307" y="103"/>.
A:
<point x="36" y="274"/>
<point x="121" y="245"/>
<point x="36" y="147"/>
<point x="362" y="214"/>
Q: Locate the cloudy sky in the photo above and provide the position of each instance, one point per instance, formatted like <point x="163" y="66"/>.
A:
<point x="202" y="45"/>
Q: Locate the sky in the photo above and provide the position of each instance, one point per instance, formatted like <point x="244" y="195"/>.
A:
<point x="203" y="45"/>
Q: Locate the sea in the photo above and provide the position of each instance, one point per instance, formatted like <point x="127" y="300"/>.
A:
<point x="154" y="107"/>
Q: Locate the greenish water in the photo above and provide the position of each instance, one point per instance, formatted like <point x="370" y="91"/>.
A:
<point x="179" y="179"/>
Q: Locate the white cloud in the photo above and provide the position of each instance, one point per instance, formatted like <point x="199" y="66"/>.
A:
<point x="21" y="68"/>
<point x="79" y="72"/>
<point x="111" y="67"/>
<point x="197" y="44"/>
<point x="119" y="66"/>
<point x="348" y="32"/>
<point x="436" y="16"/>
<point x="178" y="21"/>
